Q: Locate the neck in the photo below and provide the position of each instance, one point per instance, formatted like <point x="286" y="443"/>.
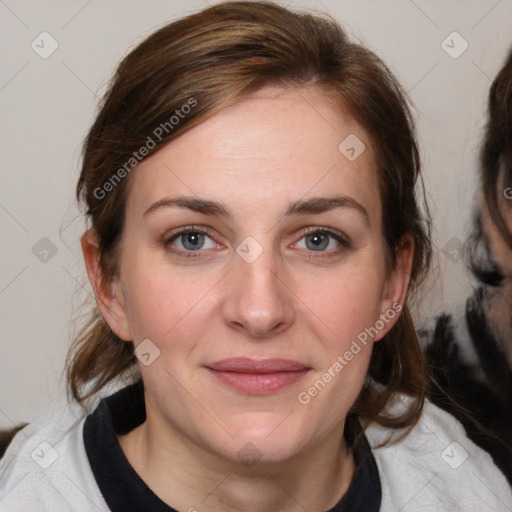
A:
<point x="188" y="477"/>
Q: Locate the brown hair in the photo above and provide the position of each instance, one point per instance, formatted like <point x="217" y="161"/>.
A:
<point x="216" y="57"/>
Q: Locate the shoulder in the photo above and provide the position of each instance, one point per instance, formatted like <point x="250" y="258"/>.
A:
<point x="436" y="467"/>
<point x="46" y="468"/>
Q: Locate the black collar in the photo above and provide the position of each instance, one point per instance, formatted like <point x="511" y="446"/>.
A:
<point x="124" y="491"/>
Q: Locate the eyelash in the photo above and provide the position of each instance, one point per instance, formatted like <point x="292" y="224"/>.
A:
<point x="344" y="241"/>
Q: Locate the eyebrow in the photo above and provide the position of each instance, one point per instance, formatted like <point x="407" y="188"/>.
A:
<point x="315" y="205"/>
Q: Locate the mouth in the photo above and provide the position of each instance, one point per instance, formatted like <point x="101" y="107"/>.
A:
<point x="254" y="376"/>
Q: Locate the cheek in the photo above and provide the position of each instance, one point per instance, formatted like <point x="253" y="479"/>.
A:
<point x="161" y="301"/>
<point x="345" y="303"/>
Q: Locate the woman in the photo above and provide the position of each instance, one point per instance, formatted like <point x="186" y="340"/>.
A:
<point x="485" y="387"/>
<point x="250" y="182"/>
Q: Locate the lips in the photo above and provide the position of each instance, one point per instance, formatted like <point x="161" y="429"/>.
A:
<point x="247" y="365"/>
<point x="255" y="376"/>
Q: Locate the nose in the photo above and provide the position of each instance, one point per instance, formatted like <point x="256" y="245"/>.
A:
<point x="258" y="300"/>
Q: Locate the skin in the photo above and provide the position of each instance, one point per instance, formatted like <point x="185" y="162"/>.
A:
<point x="292" y="302"/>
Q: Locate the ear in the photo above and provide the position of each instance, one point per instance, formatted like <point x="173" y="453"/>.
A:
<point x="395" y="287"/>
<point x="107" y="291"/>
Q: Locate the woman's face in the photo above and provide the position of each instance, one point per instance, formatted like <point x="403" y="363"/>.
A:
<point x="252" y="261"/>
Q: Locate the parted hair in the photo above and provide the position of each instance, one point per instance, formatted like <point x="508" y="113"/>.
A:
<point x="218" y="56"/>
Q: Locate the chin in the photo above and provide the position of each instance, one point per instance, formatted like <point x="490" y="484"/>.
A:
<point x="265" y="438"/>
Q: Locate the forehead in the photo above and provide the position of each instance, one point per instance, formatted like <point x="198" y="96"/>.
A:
<point x="275" y="146"/>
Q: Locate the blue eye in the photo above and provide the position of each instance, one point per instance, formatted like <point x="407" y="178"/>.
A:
<point x="322" y="240"/>
<point x="317" y="241"/>
<point x="190" y="240"/>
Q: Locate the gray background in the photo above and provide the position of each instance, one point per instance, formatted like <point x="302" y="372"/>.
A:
<point x="47" y="105"/>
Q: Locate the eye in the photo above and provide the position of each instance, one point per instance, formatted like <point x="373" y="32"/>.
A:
<point x="190" y="239"/>
<point x="323" y="240"/>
